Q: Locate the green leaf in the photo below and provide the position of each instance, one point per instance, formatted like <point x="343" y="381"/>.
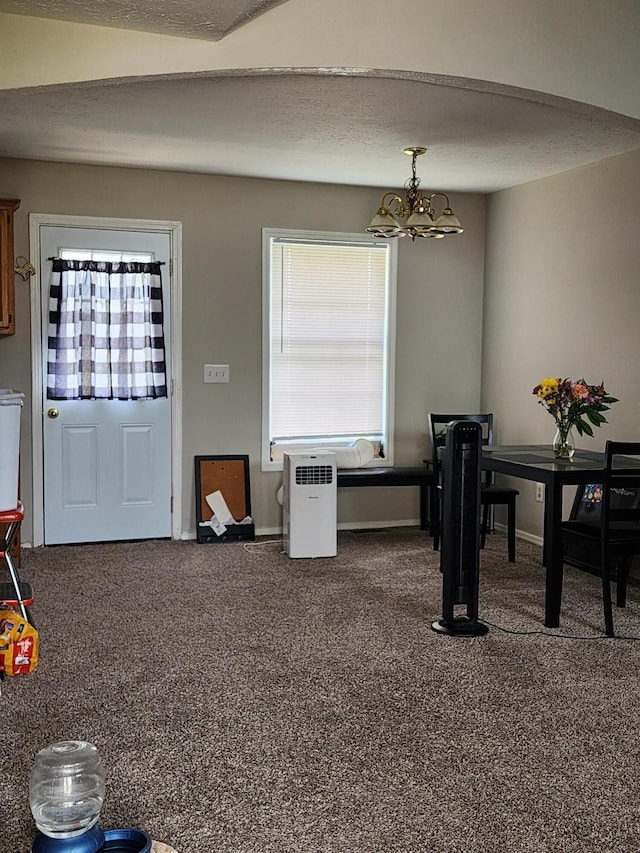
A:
<point x="586" y="428"/>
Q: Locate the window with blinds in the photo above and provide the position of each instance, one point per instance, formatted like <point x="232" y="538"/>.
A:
<point x="329" y="317"/>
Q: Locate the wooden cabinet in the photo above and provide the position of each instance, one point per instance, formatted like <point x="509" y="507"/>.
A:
<point x="7" y="265"/>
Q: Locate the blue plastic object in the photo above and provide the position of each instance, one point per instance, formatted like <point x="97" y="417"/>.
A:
<point x="126" y="841"/>
<point x="96" y="841"/>
<point x="89" y="842"/>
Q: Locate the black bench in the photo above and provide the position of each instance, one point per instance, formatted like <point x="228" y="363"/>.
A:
<point x="392" y="476"/>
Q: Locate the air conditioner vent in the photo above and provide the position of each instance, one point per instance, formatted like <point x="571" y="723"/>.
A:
<point x="314" y="475"/>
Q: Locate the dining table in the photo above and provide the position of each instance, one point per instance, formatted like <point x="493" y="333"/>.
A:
<point x="537" y="463"/>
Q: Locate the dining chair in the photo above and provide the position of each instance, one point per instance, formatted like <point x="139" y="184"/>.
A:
<point x="587" y="505"/>
<point x="491" y="494"/>
<point x="613" y="532"/>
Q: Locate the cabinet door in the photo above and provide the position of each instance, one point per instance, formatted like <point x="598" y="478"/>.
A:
<point x="7" y="265"/>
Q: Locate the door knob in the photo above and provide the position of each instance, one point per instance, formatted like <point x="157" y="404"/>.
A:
<point x="53" y="413"/>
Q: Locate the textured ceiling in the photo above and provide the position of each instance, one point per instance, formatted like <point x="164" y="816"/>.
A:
<point x="324" y="125"/>
<point x="201" y="19"/>
<point x="336" y="129"/>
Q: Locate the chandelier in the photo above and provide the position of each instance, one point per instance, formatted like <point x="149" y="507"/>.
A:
<point x="422" y="219"/>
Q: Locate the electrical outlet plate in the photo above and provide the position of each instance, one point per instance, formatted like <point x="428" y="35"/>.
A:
<point x="216" y="373"/>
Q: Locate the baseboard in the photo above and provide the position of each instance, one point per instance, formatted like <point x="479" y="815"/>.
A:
<point x="377" y="525"/>
<point x="521" y="534"/>
<point x="347" y="525"/>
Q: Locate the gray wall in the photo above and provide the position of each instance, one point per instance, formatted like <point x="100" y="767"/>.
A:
<point x="562" y="298"/>
<point x="439" y="317"/>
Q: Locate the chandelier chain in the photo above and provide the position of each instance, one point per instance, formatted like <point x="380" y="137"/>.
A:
<point x="412" y="185"/>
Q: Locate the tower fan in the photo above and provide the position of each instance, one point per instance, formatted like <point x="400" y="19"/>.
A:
<point x="460" y="546"/>
<point x="310" y="504"/>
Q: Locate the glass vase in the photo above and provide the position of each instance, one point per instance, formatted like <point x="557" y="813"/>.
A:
<point x="564" y="445"/>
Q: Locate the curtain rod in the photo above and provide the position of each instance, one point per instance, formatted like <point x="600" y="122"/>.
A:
<point x="56" y="258"/>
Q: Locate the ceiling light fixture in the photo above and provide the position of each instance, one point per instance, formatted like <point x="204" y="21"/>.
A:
<point x="416" y="208"/>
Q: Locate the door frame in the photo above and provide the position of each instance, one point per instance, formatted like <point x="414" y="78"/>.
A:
<point x="174" y="230"/>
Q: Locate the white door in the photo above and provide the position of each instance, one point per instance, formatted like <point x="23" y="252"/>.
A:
<point x="107" y="463"/>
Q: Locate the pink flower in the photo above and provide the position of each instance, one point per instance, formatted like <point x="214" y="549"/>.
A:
<point x="579" y="391"/>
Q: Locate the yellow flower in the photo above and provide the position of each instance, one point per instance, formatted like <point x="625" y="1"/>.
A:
<point x="548" y="387"/>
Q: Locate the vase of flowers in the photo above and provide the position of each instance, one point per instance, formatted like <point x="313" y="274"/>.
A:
<point x="574" y="405"/>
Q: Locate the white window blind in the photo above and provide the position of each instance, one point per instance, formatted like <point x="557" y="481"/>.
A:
<point x="329" y="341"/>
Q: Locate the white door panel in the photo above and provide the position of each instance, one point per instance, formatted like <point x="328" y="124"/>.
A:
<point x="107" y="463"/>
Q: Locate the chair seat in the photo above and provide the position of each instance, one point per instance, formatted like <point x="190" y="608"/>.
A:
<point x="619" y="532"/>
<point x="8" y="594"/>
<point x="8" y="516"/>
<point x="498" y="493"/>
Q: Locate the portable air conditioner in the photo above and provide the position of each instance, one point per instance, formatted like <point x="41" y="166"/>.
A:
<point x="309" y="504"/>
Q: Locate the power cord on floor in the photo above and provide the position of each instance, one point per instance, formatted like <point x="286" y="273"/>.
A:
<point x="555" y="636"/>
<point x="254" y="547"/>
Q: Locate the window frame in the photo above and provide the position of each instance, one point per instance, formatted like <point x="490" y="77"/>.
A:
<point x="330" y="237"/>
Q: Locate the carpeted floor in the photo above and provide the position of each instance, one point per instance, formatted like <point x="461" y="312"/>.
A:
<point x="243" y="701"/>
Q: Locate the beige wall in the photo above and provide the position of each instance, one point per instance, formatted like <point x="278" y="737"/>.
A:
<point x="562" y="298"/>
<point x="439" y="309"/>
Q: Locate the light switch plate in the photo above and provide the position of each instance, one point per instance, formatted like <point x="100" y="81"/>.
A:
<point x="216" y="373"/>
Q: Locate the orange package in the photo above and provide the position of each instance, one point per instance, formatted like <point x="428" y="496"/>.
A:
<point x="18" y="644"/>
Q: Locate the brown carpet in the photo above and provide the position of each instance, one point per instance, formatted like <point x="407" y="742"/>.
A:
<point x="244" y="701"/>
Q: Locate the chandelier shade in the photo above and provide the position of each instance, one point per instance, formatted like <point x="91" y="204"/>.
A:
<point x="422" y="219"/>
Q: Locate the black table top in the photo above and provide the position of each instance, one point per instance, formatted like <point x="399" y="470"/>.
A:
<point x="533" y="461"/>
<point x="539" y="454"/>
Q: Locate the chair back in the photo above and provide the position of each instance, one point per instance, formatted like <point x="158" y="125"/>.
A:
<point x="438" y="434"/>
<point x="621" y="488"/>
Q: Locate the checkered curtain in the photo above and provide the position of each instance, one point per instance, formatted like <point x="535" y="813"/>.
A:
<point x="105" y="331"/>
